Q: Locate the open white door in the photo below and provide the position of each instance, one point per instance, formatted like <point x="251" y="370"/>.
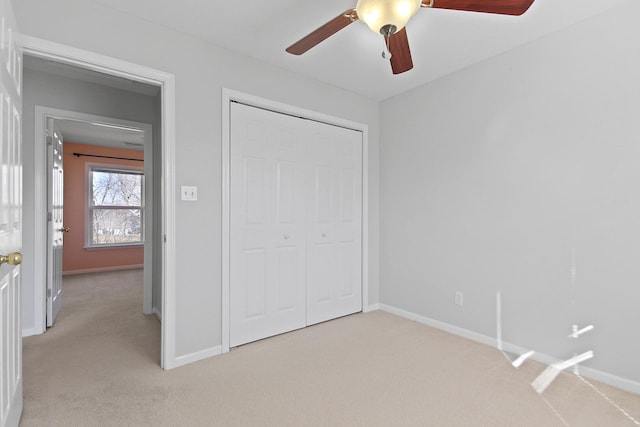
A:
<point x="55" y="220"/>
<point x="10" y="221"/>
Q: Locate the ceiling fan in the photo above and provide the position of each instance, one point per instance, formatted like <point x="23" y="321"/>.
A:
<point x="389" y="17"/>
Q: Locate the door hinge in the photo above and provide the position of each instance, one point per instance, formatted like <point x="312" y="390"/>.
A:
<point x="49" y="216"/>
<point x="49" y="140"/>
<point x="165" y="238"/>
<point x="48" y="293"/>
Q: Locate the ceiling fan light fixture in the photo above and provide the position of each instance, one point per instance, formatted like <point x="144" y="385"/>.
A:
<point x="384" y="14"/>
<point x="389" y="17"/>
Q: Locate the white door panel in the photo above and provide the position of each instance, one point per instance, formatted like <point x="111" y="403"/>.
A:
<point x="55" y="207"/>
<point x="295" y="223"/>
<point x="267" y="221"/>
<point x="10" y="221"/>
<point x="253" y="283"/>
<point x="334" y="239"/>
<point x="287" y="278"/>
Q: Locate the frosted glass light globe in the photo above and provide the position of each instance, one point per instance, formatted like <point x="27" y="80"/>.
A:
<point x="380" y="13"/>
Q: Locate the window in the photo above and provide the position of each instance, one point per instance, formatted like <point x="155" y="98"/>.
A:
<point x="115" y="207"/>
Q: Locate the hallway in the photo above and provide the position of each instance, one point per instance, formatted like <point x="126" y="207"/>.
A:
<point x="100" y="338"/>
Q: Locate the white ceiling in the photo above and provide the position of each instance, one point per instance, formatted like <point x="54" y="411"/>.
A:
<point x="101" y="134"/>
<point x="92" y="133"/>
<point x="442" y="41"/>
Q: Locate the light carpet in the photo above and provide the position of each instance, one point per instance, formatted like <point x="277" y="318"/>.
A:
<point x="99" y="366"/>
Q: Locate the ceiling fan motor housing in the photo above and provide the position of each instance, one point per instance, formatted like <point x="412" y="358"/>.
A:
<point x="387" y="16"/>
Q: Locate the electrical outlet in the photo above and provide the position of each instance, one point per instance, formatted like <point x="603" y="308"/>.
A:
<point x="189" y="193"/>
<point x="459" y="298"/>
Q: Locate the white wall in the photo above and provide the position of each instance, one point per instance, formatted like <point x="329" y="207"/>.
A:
<point x="54" y="91"/>
<point x="201" y="71"/>
<point x="492" y="176"/>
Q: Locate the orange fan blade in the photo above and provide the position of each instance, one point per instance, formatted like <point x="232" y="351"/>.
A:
<point x="503" y="7"/>
<point x="322" y="33"/>
<point x="400" y="53"/>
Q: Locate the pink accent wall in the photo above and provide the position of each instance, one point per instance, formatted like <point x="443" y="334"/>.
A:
<point x="75" y="257"/>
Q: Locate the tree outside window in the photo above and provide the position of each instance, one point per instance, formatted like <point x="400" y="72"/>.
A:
<point x="116" y="207"/>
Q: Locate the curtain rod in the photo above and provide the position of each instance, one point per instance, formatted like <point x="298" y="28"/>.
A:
<point x="106" y="157"/>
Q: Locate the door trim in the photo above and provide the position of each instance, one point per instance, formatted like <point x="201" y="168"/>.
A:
<point x="116" y="67"/>
<point x="228" y="96"/>
<point x="41" y="114"/>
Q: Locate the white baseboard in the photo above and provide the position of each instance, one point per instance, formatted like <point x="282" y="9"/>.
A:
<point x="198" y="355"/>
<point x="607" y="378"/>
<point x="371" y="307"/>
<point x="29" y="332"/>
<point x="455" y="330"/>
<point x="612" y="380"/>
<point x="103" y="269"/>
<point x="157" y="313"/>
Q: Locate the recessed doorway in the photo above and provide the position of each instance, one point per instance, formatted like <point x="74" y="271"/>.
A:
<point x="83" y="63"/>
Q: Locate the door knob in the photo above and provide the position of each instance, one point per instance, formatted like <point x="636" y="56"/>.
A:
<point x="65" y="229"/>
<point x="13" y="259"/>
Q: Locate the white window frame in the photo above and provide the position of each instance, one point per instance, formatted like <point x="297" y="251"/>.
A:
<point x="113" y="168"/>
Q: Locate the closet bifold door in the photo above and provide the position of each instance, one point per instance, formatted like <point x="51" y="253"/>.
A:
<point x="334" y="222"/>
<point x="267" y="224"/>
<point x="295" y="223"/>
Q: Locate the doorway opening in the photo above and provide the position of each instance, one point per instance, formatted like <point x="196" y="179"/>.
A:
<point x="99" y="232"/>
<point x="76" y="62"/>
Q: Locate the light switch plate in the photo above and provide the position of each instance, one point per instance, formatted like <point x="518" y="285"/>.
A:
<point x="189" y="193"/>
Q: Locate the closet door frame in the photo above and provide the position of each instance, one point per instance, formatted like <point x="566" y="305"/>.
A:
<point x="229" y="96"/>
